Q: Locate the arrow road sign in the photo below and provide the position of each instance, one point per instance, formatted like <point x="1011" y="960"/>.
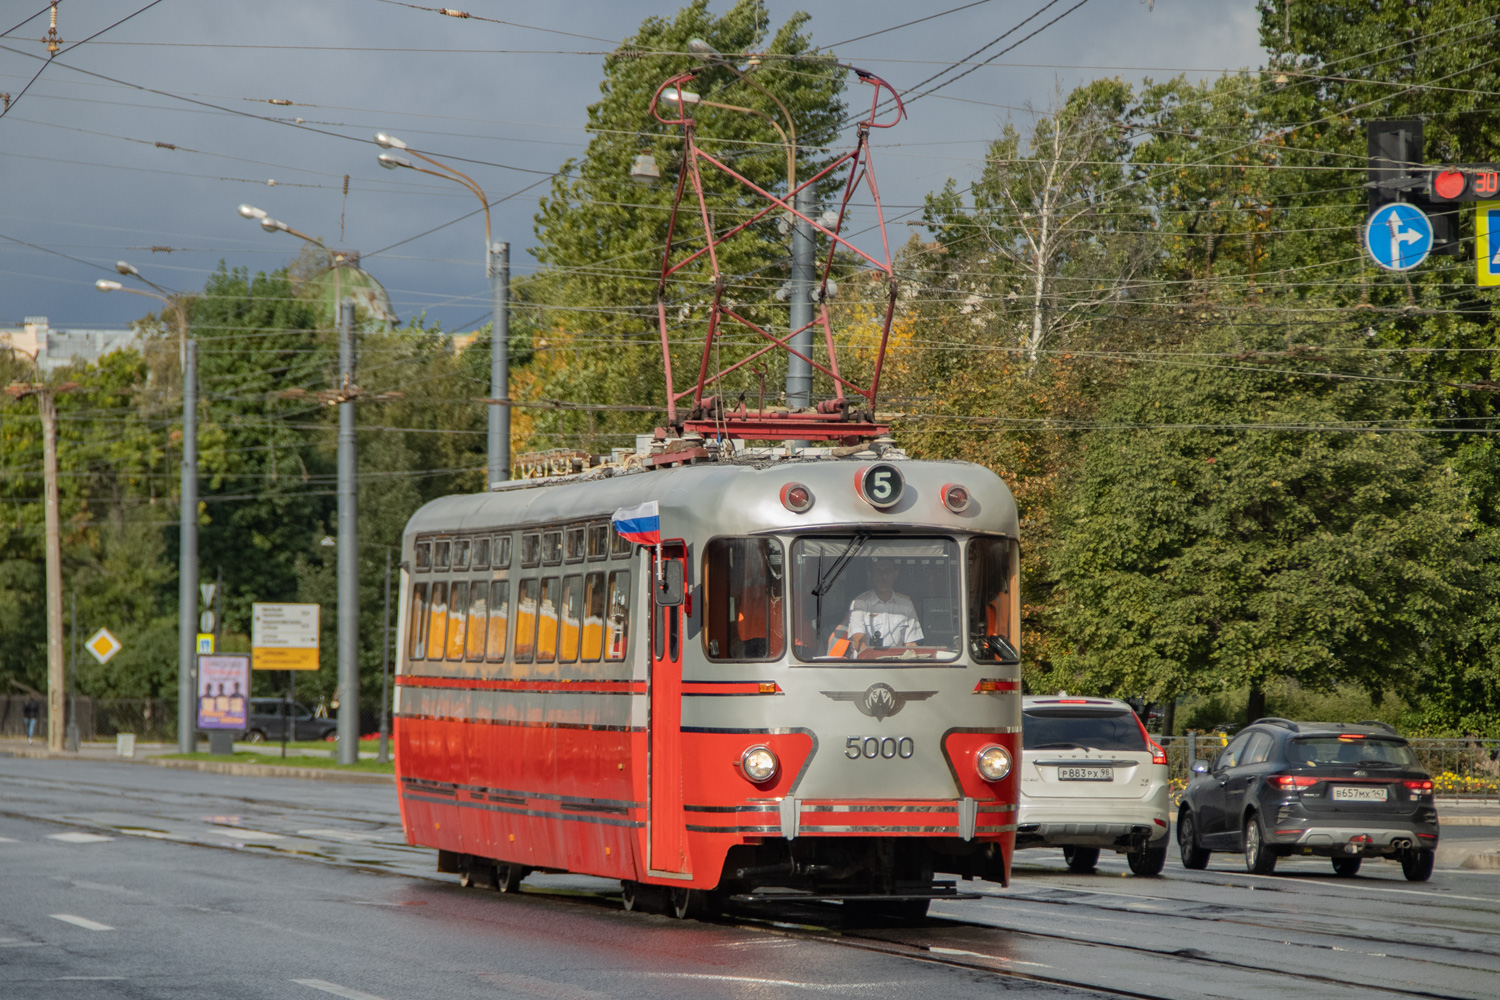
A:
<point x="1398" y="236"/>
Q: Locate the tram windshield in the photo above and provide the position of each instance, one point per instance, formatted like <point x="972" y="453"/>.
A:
<point x="862" y="597"/>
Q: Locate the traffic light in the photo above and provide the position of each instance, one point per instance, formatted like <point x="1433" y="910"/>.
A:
<point x="1397" y="173"/>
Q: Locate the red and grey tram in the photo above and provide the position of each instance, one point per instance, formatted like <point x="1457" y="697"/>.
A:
<point x="808" y="689"/>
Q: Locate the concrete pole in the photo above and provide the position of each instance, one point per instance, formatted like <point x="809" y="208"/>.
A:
<point x="187" y="555"/>
<point x="499" y="425"/>
<point x="799" y="380"/>
<point x="56" y="669"/>
<point x="385" y="667"/>
<point x="73" y="675"/>
<point x="348" y="547"/>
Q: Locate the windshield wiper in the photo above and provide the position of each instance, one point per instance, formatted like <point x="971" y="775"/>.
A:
<point x="826" y="580"/>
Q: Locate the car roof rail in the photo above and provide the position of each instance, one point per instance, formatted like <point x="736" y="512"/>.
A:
<point x="1274" y="721"/>
<point x="1381" y="725"/>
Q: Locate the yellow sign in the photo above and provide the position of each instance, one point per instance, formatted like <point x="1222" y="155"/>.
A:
<point x="284" y="636"/>
<point x="1487" y="241"/>
<point x="103" y="645"/>
<point x="205" y="643"/>
<point x="281" y="658"/>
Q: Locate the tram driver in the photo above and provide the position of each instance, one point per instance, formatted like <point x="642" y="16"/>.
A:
<point x="881" y="617"/>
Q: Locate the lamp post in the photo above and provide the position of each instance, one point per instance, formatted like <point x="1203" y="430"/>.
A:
<point x="497" y="266"/>
<point x="348" y="507"/>
<point x="187" y="550"/>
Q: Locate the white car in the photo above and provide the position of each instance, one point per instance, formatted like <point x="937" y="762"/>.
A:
<point x="1091" y="779"/>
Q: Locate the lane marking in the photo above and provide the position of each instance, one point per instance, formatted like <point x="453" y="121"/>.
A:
<point x="991" y="958"/>
<point x="7" y="840"/>
<point x="242" y="833"/>
<point x="79" y="838"/>
<point x="336" y="989"/>
<point x="766" y="982"/>
<point x="20" y="943"/>
<point x="352" y="836"/>
<point x="84" y="922"/>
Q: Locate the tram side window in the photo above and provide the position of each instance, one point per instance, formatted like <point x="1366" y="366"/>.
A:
<point x="551" y="548"/>
<point x="992" y="625"/>
<point x="573" y="544"/>
<point x="424" y="557"/>
<point x="531" y="549"/>
<point x="571" y="622"/>
<point x="619" y="548"/>
<point x="499" y="618"/>
<point x="481" y="553"/>
<point x="598" y="541"/>
<point x="617" y="625"/>
<point x="458" y="610"/>
<point x="478" y="619"/>
<point x="416" y="639"/>
<point x="593" y="617"/>
<point x="526" y="620"/>
<point x="437" y="621"/>
<point x="502" y="551"/>
<point x="546" y="620"/>
<point x="461" y="554"/>
<point x="440" y="554"/>
<point x="744" y="614"/>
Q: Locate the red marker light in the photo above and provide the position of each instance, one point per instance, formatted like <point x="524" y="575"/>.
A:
<point x="796" y="498"/>
<point x="1448" y="184"/>
<point x="956" y="498"/>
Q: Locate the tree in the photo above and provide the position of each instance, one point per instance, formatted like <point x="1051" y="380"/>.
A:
<point x="1200" y="552"/>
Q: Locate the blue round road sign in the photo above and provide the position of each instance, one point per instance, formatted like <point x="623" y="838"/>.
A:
<point x="1398" y="236"/>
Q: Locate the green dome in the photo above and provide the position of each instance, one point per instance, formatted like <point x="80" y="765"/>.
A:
<point x="347" y="280"/>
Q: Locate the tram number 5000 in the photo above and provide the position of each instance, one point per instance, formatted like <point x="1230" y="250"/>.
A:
<point x="873" y="747"/>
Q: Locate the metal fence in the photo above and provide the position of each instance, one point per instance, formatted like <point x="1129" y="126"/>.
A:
<point x="1460" y="768"/>
<point x="150" y="719"/>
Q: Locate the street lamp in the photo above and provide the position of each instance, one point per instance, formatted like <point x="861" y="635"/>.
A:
<point x="348" y="527"/>
<point x="187" y="557"/>
<point x="497" y="265"/>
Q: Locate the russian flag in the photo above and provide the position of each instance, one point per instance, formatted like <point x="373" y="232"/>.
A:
<point x="641" y="524"/>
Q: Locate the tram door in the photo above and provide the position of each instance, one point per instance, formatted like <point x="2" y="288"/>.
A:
<point x="666" y="840"/>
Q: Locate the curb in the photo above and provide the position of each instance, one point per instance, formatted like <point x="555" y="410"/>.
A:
<point x="273" y="771"/>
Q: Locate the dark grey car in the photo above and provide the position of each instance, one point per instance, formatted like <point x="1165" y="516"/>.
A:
<point x="1283" y="788"/>
<point x="268" y="721"/>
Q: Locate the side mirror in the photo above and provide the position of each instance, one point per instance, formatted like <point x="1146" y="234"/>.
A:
<point x="1200" y="766"/>
<point x="669" y="589"/>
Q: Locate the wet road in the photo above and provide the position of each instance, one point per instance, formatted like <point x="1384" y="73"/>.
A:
<point x="310" y="891"/>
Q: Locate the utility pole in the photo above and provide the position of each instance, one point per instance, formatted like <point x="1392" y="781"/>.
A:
<point x="799" y="378"/>
<point x="385" y="667"/>
<point x="187" y="555"/>
<point x="73" y="677"/>
<point x="499" y="424"/>
<point x="46" y="398"/>
<point x="348" y="546"/>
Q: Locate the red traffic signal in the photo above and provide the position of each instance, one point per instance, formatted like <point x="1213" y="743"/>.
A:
<point x="1467" y="183"/>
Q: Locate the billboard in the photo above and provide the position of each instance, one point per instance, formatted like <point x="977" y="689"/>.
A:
<point x="223" y="691"/>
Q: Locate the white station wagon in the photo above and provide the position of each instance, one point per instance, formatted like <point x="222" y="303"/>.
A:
<point x="1092" y="779"/>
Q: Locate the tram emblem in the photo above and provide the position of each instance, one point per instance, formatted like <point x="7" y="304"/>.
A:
<point x="879" y="701"/>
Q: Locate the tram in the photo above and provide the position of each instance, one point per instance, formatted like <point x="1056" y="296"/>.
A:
<point x="712" y="668"/>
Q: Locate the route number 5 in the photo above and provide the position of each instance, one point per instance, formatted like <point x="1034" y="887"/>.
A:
<point x="880" y="485"/>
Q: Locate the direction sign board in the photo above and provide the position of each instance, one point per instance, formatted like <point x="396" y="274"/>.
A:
<point x="284" y="636"/>
<point x="103" y="645"/>
<point x="1398" y="236"/>
<point x="1487" y="241"/>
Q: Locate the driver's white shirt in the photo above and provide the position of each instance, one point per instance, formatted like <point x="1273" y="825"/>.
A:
<point x="894" y="621"/>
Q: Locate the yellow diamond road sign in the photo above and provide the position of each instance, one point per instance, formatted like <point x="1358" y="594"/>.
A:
<point x="103" y="645"/>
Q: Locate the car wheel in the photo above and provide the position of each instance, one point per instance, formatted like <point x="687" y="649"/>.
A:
<point x="255" y="736"/>
<point x="1346" y="866"/>
<point x="1148" y="860"/>
<point x="1081" y="860"/>
<point x="1417" y="865"/>
<point x="1260" y="859"/>
<point x="1193" y="856"/>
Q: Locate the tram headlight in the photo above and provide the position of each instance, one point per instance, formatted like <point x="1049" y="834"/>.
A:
<point x="993" y="763"/>
<point x="759" y="764"/>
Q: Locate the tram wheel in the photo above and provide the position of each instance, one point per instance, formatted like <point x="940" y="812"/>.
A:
<point x="508" y="877"/>
<point x="692" y="904"/>
<point x="639" y="898"/>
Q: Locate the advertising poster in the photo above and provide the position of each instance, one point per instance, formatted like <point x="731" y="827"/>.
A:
<point x="223" y="691"/>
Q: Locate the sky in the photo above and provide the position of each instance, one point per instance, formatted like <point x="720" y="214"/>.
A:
<point x="141" y="137"/>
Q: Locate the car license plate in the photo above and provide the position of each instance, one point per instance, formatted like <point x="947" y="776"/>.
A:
<point x="1344" y="793"/>
<point x="1085" y="774"/>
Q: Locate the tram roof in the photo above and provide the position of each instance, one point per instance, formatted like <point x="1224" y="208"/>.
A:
<point x="739" y="498"/>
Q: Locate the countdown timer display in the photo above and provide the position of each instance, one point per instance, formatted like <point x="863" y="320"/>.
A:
<point x="1464" y="183"/>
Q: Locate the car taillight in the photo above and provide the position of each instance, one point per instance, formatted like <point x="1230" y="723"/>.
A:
<point x="1292" y="781"/>
<point x="1158" y="755"/>
<point x="1418" y="786"/>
